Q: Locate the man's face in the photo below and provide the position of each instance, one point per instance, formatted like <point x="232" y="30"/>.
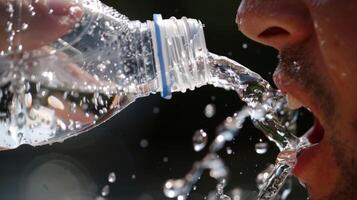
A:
<point x="317" y="43"/>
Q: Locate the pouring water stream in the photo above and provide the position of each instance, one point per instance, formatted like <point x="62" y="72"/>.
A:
<point x="267" y="109"/>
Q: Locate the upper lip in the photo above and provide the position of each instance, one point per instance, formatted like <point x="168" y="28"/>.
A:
<point x="291" y="87"/>
<point x="294" y="87"/>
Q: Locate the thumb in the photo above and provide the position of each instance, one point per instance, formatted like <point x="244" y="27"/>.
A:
<point x="35" y="23"/>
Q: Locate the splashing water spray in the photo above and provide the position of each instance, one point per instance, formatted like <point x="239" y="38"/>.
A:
<point x="68" y="86"/>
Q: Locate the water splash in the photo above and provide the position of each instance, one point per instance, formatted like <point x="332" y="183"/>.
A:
<point x="261" y="147"/>
<point x="268" y="110"/>
<point x="210" y="110"/>
<point x="105" y="191"/>
<point x="270" y="114"/>
<point x="199" y="140"/>
<point x="229" y="151"/>
<point x="211" y="162"/>
<point x="144" y="143"/>
<point x="241" y="194"/>
<point x="112" y="177"/>
<point x="220" y="190"/>
<point x="263" y="176"/>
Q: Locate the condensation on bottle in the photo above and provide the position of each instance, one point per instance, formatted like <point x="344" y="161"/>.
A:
<point x="99" y="67"/>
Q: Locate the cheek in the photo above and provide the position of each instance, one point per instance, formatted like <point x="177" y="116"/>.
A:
<point x="336" y="29"/>
<point x="335" y="25"/>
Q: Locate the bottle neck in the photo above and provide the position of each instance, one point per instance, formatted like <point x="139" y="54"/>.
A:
<point x="181" y="56"/>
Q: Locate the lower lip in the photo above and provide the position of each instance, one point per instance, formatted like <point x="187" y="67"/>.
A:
<point x="304" y="159"/>
<point x="315" y="135"/>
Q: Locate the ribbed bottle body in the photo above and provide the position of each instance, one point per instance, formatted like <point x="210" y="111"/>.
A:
<point x="103" y="64"/>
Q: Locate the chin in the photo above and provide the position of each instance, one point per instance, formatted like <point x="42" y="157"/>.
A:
<point x="317" y="169"/>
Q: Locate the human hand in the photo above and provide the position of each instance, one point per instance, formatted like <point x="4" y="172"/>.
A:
<point x="35" y="23"/>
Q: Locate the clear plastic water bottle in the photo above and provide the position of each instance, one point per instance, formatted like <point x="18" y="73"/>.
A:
<point x="103" y="64"/>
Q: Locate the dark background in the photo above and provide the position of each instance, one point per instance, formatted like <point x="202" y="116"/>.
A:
<point x="168" y="126"/>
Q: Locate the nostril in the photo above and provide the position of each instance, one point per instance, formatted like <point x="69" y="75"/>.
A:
<point x="273" y="32"/>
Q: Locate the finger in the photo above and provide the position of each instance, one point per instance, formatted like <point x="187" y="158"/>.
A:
<point x="35" y="23"/>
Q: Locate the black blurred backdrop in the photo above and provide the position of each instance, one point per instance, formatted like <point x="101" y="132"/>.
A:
<point x="167" y="126"/>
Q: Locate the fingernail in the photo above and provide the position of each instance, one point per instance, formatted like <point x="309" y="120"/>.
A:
<point x="64" y="7"/>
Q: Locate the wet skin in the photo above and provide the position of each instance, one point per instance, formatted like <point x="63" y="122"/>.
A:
<point x="317" y="44"/>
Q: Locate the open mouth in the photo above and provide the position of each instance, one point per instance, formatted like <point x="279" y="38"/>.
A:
<point x="314" y="134"/>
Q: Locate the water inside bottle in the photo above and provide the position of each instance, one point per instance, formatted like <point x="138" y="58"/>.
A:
<point x="57" y="91"/>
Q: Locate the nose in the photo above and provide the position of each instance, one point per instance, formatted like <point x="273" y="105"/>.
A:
<point x="276" y="23"/>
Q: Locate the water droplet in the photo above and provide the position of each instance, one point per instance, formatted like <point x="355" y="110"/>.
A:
<point x="261" y="147"/>
<point x="174" y="188"/>
<point x="74" y="9"/>
<point x="71" y="125"/>
<point x="286" y="189"/>
<point x="77" y="124"/>
<point x="24" y="26"/>
<point x="9" y="8"/>
<point x="210" y="110"/>
<point x="19" y="48"/>
<point x="8" y="27"/>
<point x="218" y="170"/>
<point x="100" y="198"/>
<point x="54" y="102"/>
<point x="20" y="120"/>
<point x="73" y="107"/>
<point x="263" y="176"/>
<point x="240" y="194"/>
<point x="224" y="197"/>
<point x="236" y="194"/>
<point x="244" y="45"/>
<point x="101" y="67"/>
<point x="127" y="69"/>
<point x="30" y="8"/>
<point x="43" y="93"/>
<point x="229" y="151"/>
<point x="156" y="110"/>
<point x="220" y="186"/>
<point x="61" y="124"/>
<point x="181" y="197"/>
<point x="111" y="177"/>
<point x="144" y="143"/>
<point x="199" y="140"/>
<point x="105" y="190"/>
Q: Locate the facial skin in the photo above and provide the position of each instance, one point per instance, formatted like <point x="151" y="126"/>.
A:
<point x="317" y="44"/>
